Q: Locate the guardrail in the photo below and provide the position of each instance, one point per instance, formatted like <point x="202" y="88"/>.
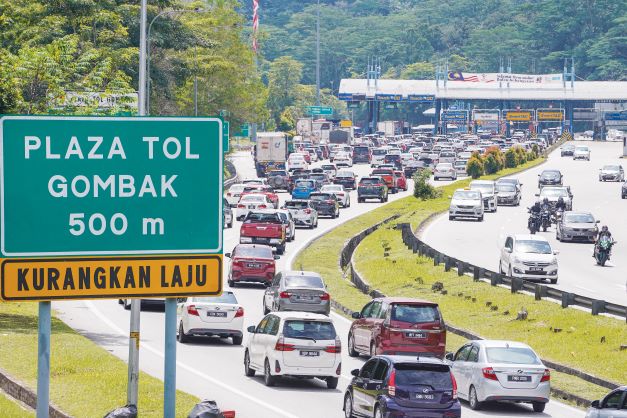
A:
<point x="234" y="176"/>
<point x="539" y="290"/>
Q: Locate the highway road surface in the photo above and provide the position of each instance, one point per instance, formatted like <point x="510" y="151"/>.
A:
<point x="480" y="242"/>
<point x="213" y="368"/>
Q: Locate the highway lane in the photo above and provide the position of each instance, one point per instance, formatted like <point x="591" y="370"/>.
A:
<point x="480" y="243"/>
<point x="213" y="369"/>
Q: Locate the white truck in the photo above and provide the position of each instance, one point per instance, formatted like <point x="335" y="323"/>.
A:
<point x="304" y="127"/>
<point x="389" y="127"/>
<point x="270" y="152"/>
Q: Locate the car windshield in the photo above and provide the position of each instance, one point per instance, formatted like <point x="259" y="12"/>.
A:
<point x="508" y="181"/>
<point x="304" y="281"/>
<point x="382" y="172"/>
<point x="328" y="167"/>
<point x="318" y="176"/>
<point x="467" y="195"/>
<point x="579" y="218"/>
<point x="504" y="187"/>
<point x="534" y="247"/>
<point x="337" y="188"/>
<point x="414" y="313"/>
<point x="550" y="174"/>
<point x="236" y="188"/>
<point x="304" y="184"/>
<point x="259" y="252"/>
<point x="360" y="150"/>
<point x="551" y="192"/>
<point x="296" y="205"/>
<point x="437" y="375"/>
<point x="225" y="297"/>
<point x="511" y="355"/>
<point x="345" y="174"/>
<point x="258" y="217"/>
<point x="303" y="329"/>
<point x="611" y="168"/>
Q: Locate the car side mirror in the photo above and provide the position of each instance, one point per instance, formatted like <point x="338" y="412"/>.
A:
<point x="355" y="372"/>
<point x="276" y="257"/>
<point x="227" y="255"/>
<point x="556" y="252"/>
<point x="537" y="195"/>
<point x="356" y="315"/>
<point x="595" y="404"/>
<point x="509" y="250"/>
<point x="449" y="356"/>
<point x="252" y="329"/>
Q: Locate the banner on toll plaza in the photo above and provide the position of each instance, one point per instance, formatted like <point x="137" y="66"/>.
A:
<point x="518" y="115"/>
<point x="110" y="207"/>
<point x="480" y="116"/>
<point x="555" y="115"/>
<point x="505" y="78"/>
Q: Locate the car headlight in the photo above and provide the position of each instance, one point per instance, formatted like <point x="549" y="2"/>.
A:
<point x="515" y="259"/>
<point x="453" y="207"/>
<point x="554" y="260"/>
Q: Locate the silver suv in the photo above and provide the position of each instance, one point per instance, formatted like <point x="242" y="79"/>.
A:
<point x="302" y="291"/>
<point x="303" y="212"/>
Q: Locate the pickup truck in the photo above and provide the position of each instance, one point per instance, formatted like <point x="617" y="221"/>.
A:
<point x="372" y="188"/>
<point x="387" y="174"/>
<point x="264" y="227"/>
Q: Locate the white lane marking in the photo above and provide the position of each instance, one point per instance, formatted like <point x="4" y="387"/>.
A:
<point x="185" y="367"/>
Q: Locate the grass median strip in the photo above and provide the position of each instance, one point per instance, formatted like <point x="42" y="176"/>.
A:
<point x="85" y="380"/>
<point x="9" y="408"/>
<point x="404" y="273"/>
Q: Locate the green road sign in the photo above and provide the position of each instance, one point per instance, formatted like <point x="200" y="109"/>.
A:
<point x="110" y="186"/>
<point x="244" y="130"/>
<point x="319" y="110"/>
<point x="225" y="136"/>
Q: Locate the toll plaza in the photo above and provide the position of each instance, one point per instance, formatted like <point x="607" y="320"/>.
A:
<point x="496" y="102"/>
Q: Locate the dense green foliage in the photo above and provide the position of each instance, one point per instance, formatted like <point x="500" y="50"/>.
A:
<point x="422" y="188"/>
<point x="411" y="35"/>
<point x="50" y="47"/>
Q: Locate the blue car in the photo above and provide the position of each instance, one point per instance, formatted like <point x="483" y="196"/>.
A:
<point x="303" y="188"/>
<point x="402" y="386"/>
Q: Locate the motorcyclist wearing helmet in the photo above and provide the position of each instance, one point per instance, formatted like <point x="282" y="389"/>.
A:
<point x="560" y="205"/>
<point x="605" y="232"/>
<point x="545" y="204"/>
<point x="536" y="208"/>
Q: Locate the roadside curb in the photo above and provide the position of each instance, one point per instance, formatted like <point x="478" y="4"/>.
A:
<point x="24" y="394"/>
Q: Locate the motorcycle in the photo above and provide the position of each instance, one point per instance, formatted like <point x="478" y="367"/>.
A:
<point x="533" y="223"/>
<point x="545" y="219"/>
<point x="602" y="250"/>
<point x="557" y="215"/>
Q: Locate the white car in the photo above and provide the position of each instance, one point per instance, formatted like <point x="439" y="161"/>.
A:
<point x="233" y="194"/>
<point x="218" y="316"/>
<point x="488" y="370"/>
<point x="460" y="167"/>
<point x="444" y="170"/>
<point x="582" y="152"/>
<point x="250" y="202"/>
<point x="330" y="170"/>
<point x="406" y="158"/>
<point x="343" y="159"/>
<point x="488" y="192"/>
<point x="528" y="257"/>
<point x="466" y="204"/>
<point x="341" y="194"/>
<point x="294" y="344"/>
<point x="296" y="161"/>
<point x="288" y="220"/>
<point x="302" y="212"/>
<point x="253" y="182"/>
<point x="378" y="156"/>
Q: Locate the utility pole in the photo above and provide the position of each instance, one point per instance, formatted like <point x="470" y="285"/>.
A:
<point x="318" y="54"/>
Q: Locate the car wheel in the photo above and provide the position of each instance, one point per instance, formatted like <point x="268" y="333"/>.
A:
<point x="332" y="382"/>
<point x="182" y="337"/>
<point x="281" y="249"/>
<point x="268" y="379"/>
<point x="127" y="304"/>
<point x="509" y="272"/>
<point x="538" y="406"/>
<point x="351" y="346"/>
<point x="348" y="406"/>
<point x="231" y="283"/>
<point x="348" y="203"/>
<point x="451" y="217"/>
<point x="248" y="371"/>
<point x="377" y="412"/>
<point x="481" y="218"/>
<point x="473" y="402"/>
<point x="237" y="339"/>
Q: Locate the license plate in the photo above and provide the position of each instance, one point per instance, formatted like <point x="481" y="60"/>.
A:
<point x="517" y="378"/>
<point x="535" y="269"/>
<point x="304" y="297"/>
<point x="251" y="206"/>
<point x="425" y="396"/>
<point x="217" y="314"/>
<point x="253" y="265"/>
<point x="415" y="335"/>
<point x="310" y="353"/>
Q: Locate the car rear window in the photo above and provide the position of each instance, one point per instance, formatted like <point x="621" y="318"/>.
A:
<point x="414" y="313"/>
<point x="511" y="355"/>
<point x="436" y="375"/>
<point x="226" y="297"/>
<point x="304" y="184"/>
<point x="382" y="172"/>
<point x="260" y="252"/>
<point x="253" y="217"/>
<point x="325" y="196"/>
<point x="360" y="150"/>
<point x="296" y="205"/>
<point x="379" y="151"/>
<point x="304" y="281"/>
<point x="367" y="182"/>
<point x="347" y="174"/>
<point x="303" y="329"/>
<point x="253" y="198"/>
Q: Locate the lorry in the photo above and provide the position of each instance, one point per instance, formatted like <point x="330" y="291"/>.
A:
<point x="390" y="127"/>
<point x="339" y="136"/>
<point x="320" y="131"/>
<point x="304" y="128"/>
<point x="271" y="151"/>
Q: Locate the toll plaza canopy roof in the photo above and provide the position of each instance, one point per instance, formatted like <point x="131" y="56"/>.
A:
<point x="356" y="89"/>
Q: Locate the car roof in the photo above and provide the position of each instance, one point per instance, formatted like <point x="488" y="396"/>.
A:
<point x="395" y="359"/>
<point x="292" y="273"/>
<point x="301" y="315"/>
<point x="482" y="182"/>
<point x="529" y="237"/>
<point x="500" y="343"/>
<point x="393" y="299"/>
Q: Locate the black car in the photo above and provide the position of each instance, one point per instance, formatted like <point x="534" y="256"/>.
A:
<point x="550" y="178"/>
<point x="412" y="167"/>
<point x="393" y="159"/>
<point x="402" y="386"/>
<point x="361" y="154"/>
<point x="346" y="178"/>
<point x="325" y="204"/>
<point x="372" y="188"/>
<point x="321" y="178"/>
<point x="279" y="180"/>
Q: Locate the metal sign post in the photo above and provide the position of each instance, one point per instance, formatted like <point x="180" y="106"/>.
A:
<point x="43" y="360"/>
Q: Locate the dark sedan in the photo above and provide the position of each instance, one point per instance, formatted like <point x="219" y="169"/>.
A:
<point x="612" y="172"/>
<point x="508" y="194"/>
<point x="412" y="167"/>
<point x="550" y="178"/>
<point x="346" y="178"/>
<point x="325" y="204"/>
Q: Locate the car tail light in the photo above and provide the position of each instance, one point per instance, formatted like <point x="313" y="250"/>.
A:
<point x="281" y="346"/>
<point x="454" y="386"/>
<point x="228" y="194"/>
<point x="240" y="312"/>
<point x="341" y="194"/>
<point x="325" y="296"/>
<point x="241" y="206"/>
<point x="285" y="295"/>
<point x="238" y="263"/>
<point x="336" y="348"/>
<point x="546" y="376"/>
<point x="262" y="206"/>
<point x="228" y="414"/>
<point x="392" y="384"/>
<point x="191" y="310"/>
<point x="307" y="211"/>
<point x="488" y="373"/>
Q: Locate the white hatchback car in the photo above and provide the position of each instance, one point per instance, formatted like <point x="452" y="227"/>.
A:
<point x="341" y="194"/>
<point x="296" y="344"/>
<point x="488" y="370"/>
<point x="233" y="194"/>
<point x="529" y="257"/>
<point x="218" y="316"/>
<point x="296" y="161"/>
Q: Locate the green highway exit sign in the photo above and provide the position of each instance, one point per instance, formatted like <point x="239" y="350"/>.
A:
<point x="319" y="110"/>
<point x="110" y="186"/>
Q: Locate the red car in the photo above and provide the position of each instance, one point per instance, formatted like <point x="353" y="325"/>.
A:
<point x="398" y="326"/>
<point x="263" y="189"/>
<point x="387" y="174"/>
<point x="401" y="181"/>
<point x="251" y="263"/>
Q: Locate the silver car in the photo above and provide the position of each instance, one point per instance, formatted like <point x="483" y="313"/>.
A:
<point x="302" y="291"/>
<point x="614" y="405"/>
<point x="302" y="212"/>
<point x="490" y="370"/>
<point x="612" y="172"/>
<point x="577" y="226"/>
<point x="488" y="192"/>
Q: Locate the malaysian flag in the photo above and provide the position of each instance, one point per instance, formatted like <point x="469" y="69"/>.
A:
<point x="255" y="23"/>
<point x="471" y="78"/>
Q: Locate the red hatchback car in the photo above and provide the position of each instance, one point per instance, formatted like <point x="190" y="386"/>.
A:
<point x="251" y="263"/>
<point x="398" y="326"/>
<point x="401" y="181"/>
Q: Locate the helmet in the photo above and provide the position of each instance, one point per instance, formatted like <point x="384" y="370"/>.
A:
<point x="604" y="228"/>
<point x="545" y="200"/>
<point x="560" y="199"/>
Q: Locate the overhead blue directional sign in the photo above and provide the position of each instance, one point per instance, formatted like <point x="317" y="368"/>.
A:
<point x="421" y="98"/>
<point x="616" y="115"/>
<point x="389" y="97"/>
<point x="455" y="115"/>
